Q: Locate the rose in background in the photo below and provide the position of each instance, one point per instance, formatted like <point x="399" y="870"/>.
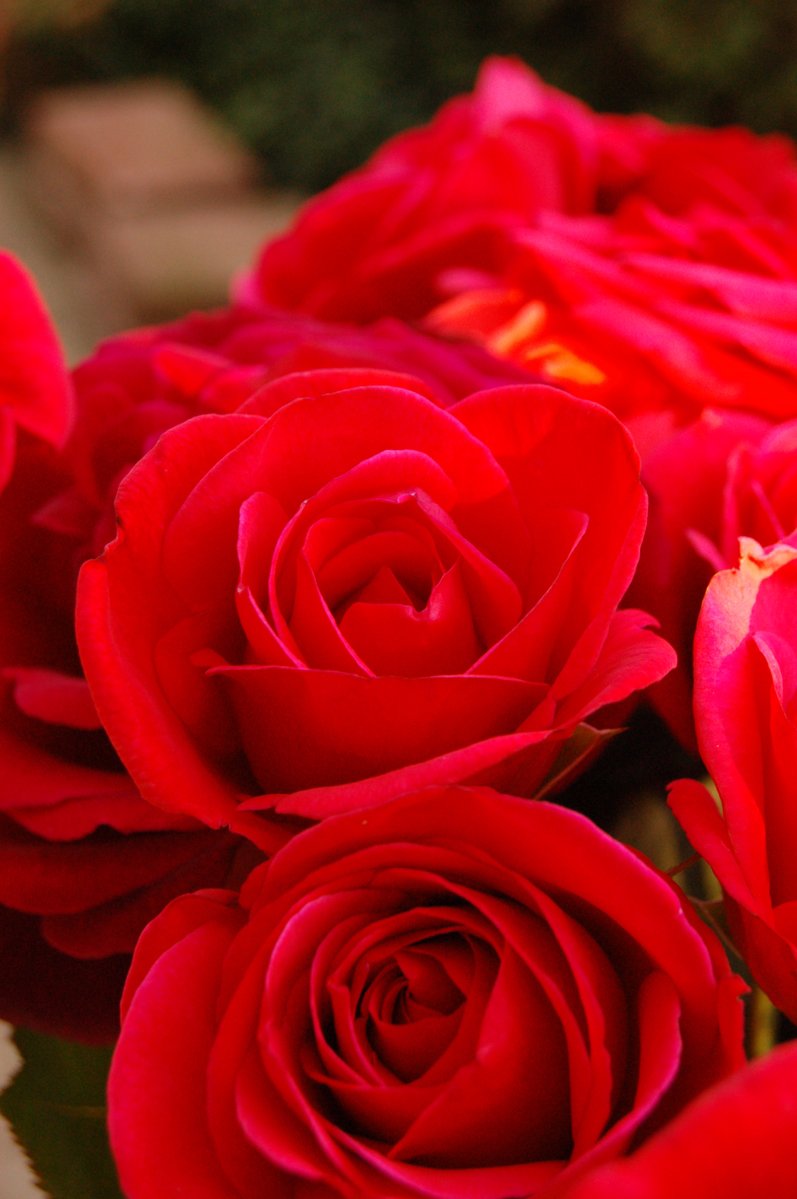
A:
<point x="460" y="993"/>
<point x="745" y="686"/>
<point x="647" y="267"/>
<point x="736" y="1140"/>
<point x="34" y="389"/>
<point x="343" y="590"/>
<point x="682" y="296"/>
<point x="84" y="861"/>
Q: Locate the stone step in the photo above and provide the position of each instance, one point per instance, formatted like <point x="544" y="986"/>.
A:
<point x="128" y="148"/>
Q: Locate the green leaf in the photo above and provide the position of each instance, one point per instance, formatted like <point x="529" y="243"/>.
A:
<point x="56" y="1108"/>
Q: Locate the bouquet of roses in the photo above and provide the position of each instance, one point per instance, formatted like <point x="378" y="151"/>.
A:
<point x="329" y="623"/>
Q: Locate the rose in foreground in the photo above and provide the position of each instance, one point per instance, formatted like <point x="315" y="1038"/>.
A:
<point x="458" y="994"/>
<point x="345" y="590"/>
<point x="745" y="687"/>
<point x="737" y="1140"/>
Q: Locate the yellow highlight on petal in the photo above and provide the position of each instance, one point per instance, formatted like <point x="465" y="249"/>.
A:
<point x="560" y="363"/>
<point x="527" y="324"/>
<point x="473" y="310"/>
<point x="519" y="337"/>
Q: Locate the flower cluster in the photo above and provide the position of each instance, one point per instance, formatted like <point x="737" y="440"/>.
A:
<point x="321" y="621"/>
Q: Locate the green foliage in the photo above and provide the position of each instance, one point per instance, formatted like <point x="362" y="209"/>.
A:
<point x="316" y="87"/>
<point x="56" y="1108"/>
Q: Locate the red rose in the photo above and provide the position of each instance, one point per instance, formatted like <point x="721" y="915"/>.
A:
<point x="737" y="1140"/>
<point x="435" y="206"/>
<point x="34" y="390"/>
<point x="84" y="861"/>
<point x="361" y="592"/>
<point x="458" y="994"/>
<point x="745" y="686"/>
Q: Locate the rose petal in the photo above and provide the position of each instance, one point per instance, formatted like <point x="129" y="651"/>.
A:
<point x="303" y="728"/>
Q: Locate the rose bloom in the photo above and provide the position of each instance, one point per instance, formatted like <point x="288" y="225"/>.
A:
<point x="736" y="1140"/>
<point x="745" y="686"/>
<point x="646" y="267"/>
<point x="34" y="390"/>
<point x="84" y="861"/>
<point x="343" y="590"/>
<point x="458" y="994"/>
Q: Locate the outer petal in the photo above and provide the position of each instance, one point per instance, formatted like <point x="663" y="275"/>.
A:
<point x="157" y="1086"/>
<point x="305" y="728"/>
<point x="33" y="381"/>
<point x="110" y="607"/>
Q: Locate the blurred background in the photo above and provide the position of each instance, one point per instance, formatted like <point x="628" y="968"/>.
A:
<point x="159" y="191"/>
